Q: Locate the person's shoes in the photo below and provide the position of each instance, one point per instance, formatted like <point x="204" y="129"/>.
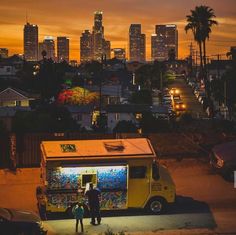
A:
<point x="92" y="223"/>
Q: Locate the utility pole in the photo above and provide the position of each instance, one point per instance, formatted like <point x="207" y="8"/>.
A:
<point x="103" y="62"/>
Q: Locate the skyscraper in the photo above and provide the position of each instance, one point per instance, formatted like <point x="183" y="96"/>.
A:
<point x="86" y="46"/>
<point x="47" y="45"/>
<point x="154" y="47"/>
<point x="94" y="45"/>
<point x="3" y="52"/>
<point x="143" y="48"/>
<point x="137" y="47"/>
<point x="98" y="36"/>
<point x="167" y="39"/>
<point x="119" y="53"/>
<point x="63" y="49"/>
<point x="107" y="49"/>
<point x="31" y="42"/>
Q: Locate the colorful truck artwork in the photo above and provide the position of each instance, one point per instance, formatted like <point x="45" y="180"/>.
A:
<point x="66" y="184"/>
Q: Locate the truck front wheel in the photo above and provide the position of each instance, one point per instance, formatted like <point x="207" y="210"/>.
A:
<point x="156" y="205"/>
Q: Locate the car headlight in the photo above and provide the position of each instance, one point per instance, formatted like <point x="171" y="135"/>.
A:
<point x="219" y="163"/>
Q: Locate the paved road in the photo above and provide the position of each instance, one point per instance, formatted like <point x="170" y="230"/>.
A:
<point x="188" y="98"/>
<point x="206" y="204"/>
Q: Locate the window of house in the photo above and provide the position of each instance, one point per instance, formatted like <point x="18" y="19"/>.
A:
<point x="79" y="117"/>
<point x="117" y="116"/>
<point x="138" y="115"/>
<point x="137" y="172"/>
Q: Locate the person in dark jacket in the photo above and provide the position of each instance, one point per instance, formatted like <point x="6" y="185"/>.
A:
<point x="78" y="212"/>
<point x="94" y="196"/>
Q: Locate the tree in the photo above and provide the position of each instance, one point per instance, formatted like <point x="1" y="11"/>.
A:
<point x="200" y="23"/>
<point x="45" y="119"/>
<point x="171" y="54"/>
<point x="125" y="127"/>
<point x="141" y="97"/>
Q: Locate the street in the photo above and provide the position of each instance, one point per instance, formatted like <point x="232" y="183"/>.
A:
<point x="188" y="98"/>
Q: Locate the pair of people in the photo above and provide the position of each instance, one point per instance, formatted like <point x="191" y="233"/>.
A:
<point x="93" y="196"/>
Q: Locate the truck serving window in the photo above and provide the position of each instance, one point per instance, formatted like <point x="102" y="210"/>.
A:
<point x="137" y="172"/>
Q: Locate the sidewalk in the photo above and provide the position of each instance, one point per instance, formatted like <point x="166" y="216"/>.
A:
<point x="126" y="225"/>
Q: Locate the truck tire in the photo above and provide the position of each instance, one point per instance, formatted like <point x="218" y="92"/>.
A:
<point x="156" y="205"/>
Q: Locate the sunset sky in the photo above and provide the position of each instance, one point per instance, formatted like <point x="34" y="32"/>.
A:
<point x="71" y="17"/>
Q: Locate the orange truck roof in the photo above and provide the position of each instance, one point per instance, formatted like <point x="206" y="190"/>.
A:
<point x="97" y="149"/>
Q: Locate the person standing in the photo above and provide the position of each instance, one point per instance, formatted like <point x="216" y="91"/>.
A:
<point x="94" y="196"/>
<point x="78" y="212"/>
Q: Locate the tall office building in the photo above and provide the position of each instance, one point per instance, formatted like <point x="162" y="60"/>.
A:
<point x="98" y="36"/>
<point x="47" y="45"/>
<point x="118" y="53"/>
<point x="137" y="45"/>
<point x="167" y="39"/>
<point x="86" y="46"/>
<point x="154" y="47"/>
<point x="143" y="48"/>
<point x="63" y="49"/>
<point x="3" y="52"/>
<point x="31" y="42"/>
<point x="107" y="49"/>
<point x="94" y="45"/>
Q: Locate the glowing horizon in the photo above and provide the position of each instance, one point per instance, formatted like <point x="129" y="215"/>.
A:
<point x="72" y="17"/>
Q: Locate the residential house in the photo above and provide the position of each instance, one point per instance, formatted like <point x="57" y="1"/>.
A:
<point x="12" y="97"/>
<point x="126" y="112"/>
<point x="82" y="114"/>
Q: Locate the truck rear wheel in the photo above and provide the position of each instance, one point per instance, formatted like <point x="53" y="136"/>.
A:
<point x="156" y="205"/>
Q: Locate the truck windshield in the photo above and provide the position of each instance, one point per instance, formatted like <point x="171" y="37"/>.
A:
<point x="155" y="171"/>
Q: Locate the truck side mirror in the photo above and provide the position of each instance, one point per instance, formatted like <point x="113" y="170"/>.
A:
<point x="155" y="171"/>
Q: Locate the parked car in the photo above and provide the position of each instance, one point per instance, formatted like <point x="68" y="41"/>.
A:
<point x="20" y="222"/>
<point x="176" y="98"/>
<point x="180" y="106"/>
<point x="223" y="159"/>
<point x="174" y="91"/>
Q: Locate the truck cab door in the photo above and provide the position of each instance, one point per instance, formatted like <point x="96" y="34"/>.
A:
<point x="138" y="186"/>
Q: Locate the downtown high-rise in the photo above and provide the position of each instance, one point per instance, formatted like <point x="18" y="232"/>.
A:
<point x="163" y="41"/>
<point x="3" y="52"/>
<point x="93" y="46"/>
<point x="30" y="42"/>
<point x="98" y="36"/>
<point x="137" y="43"/>
<point x="119" y="53"/>
<point x="86" y="47"/>
<point x="48" y="46"/>
<point x="62" y="49"/>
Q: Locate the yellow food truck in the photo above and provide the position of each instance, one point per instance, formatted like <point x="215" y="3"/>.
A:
<point x="125" y="170"/>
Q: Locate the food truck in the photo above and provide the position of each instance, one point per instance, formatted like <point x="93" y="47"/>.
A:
<point x="126" y="171"/>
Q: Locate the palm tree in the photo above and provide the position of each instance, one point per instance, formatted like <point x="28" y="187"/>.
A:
<point x="194" y="26"/>
<point x="200" y="22"/>
<point x="206" y="15"/>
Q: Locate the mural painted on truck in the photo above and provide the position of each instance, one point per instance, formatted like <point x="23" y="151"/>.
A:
<point x="65" y="182"/>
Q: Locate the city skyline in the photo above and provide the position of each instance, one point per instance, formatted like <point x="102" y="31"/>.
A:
<point x="75" y="19"/>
